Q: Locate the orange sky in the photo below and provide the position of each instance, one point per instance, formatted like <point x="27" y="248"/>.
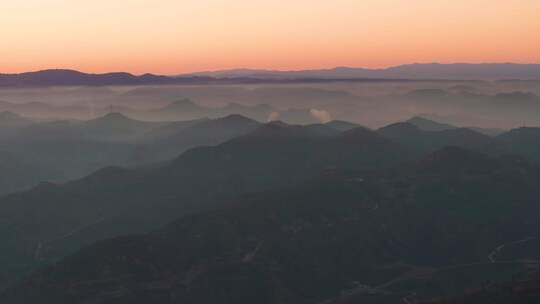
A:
<point x="176" y="36"/>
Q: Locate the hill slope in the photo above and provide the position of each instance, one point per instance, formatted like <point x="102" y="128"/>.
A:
<point x="341" y="237"/>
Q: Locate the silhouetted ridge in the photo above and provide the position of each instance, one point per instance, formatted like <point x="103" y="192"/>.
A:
<point x="231" y="121"/>
<point x="399" y="129"/>
<point x="171" y="140"/>
<point x="428" y="124"/>
<point x="116" y="119"/>
<point x="236" y="118"/>
<point x="185" y="105"/>
<point x="115" y="116"/>
<point x="56" y="77"/>
<point x="409" y="71"/>
<point x="406" y="71"/>
<point x="342" y="125"/>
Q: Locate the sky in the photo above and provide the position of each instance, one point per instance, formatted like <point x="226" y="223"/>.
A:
<point x="180" y="36"/>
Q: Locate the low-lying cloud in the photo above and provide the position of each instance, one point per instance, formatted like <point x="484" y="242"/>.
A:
<point x="321" y="115"/>
<point x="273" y="116"/>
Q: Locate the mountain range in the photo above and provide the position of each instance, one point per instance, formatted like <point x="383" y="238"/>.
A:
<point x="493" y="71"/>
<point x="271" y="155"/>
<point x="62" y="77"/>
<point x="68" y="149"/>
<point x="238" y="185"/>
<point x="407" y="71"/>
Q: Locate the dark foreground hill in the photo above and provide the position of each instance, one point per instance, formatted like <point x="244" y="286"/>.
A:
<point x="523" y="289"/>
<point x="425" y="229"/>
<point x="44" y="224"/>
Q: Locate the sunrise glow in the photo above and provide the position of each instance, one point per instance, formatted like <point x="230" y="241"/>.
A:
<point x="171" y="36"/>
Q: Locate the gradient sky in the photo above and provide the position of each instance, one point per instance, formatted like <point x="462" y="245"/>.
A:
<point x="176" y="36"/>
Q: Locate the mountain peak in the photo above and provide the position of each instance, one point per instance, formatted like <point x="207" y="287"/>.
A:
<point x="115" y="119"/>
<point x="55" y="72"/>
<point x="115" y="116"/>
<point x="235" y="121"/>
<point x="236" y="118"/>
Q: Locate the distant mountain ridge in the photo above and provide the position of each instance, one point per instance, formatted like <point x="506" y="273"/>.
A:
<point x="66" y="77"/>
<point x="406" y="71"/>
